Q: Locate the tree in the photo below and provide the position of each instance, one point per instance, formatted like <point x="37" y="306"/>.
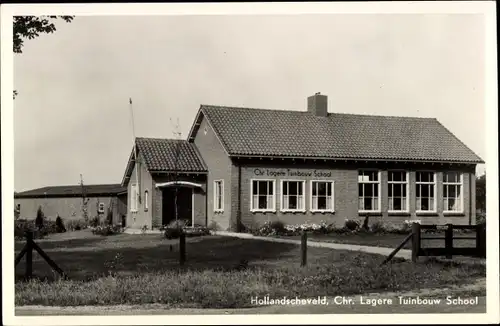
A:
<point x="30" y="27"/>
<point x="481" y="193"/>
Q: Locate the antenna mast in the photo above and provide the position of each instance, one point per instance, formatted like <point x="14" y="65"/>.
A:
<point x="177" y="136"/>
<point x="138" y="194"/>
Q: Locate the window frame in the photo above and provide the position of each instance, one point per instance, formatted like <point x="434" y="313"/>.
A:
<point x="288" y="210"/>
<point x="101" y="207"/>
<point x="263" y="210"/>
<point x="332" y="191"/>
<point x="434" y="183"/>
<point x="407" y="182"/>
<point x="221" y="209"/>
<point x="461" y="184"/>
<point x="134" y="189"/>
<point x="379" y="183"/>
<point x="146" y="200"/>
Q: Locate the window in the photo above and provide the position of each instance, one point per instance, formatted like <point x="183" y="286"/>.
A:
<point x="368" y="191"/>
<point x="101" y="208"/>
<point x="452" y="192"/>
<point x="426" y="192"/>
<point x="322" y="196"/>
<point x="133" y="197"/>
<point x="146" y="202"/>
<point x="262" y="198"/>
<point x="292" y="196"/>
<point x="219" y="195"/>
<point x="398" y="191"/>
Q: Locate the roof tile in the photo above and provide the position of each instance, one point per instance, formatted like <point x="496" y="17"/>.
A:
<point x="260" y="132"/>
<point x="160" y="155"/>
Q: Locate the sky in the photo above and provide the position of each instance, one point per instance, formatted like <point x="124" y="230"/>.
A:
<point x="72" y="114"/>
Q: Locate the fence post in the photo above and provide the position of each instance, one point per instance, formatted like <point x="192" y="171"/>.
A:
<point x="415" y="241"/>
<point x="29" y="255"/>
<point x="303" y="249"/>
<point x="480" y="240"/>
<point x="182" y="248"/>
<point x="448" y="241"/>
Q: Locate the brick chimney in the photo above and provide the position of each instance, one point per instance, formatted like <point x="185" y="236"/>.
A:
<point x="318" y="105"/>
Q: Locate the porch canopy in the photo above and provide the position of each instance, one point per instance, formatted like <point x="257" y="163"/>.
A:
<point x="186" y="184"/>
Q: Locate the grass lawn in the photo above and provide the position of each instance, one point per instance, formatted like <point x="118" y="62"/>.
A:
<point x="144" y="269"/>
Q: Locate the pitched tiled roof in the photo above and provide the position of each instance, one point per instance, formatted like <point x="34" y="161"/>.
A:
<point x="160" y="155"/>
<point x="259" y="132"/>
<point x="72" y="191"/>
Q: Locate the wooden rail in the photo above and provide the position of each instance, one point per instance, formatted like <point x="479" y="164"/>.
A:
<point x="28" y="251"/>
<point x="478" y="250"/>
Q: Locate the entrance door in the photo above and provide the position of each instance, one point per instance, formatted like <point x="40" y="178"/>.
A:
<point x="184" y="205"/>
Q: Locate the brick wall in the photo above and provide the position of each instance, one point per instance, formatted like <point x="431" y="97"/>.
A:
<point x="69" y="208"/>
<point x="142" y="217"/>
<point x="346" y="194"/>
<point x="220" y="167"/>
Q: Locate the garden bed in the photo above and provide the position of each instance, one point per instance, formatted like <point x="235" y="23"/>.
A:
<point x="220" y="272"/>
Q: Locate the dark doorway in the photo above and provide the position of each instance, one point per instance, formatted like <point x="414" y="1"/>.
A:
<point x="184" y="205"/>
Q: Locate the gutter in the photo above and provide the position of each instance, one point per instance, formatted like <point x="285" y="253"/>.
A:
<point x="238" y="212"/>
<point x="472" y="175"/>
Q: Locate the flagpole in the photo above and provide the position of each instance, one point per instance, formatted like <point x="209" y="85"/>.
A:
<point x="138" y="196"/>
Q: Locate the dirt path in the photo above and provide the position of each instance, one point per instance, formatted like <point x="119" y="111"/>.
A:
<point x="389" y="303"/>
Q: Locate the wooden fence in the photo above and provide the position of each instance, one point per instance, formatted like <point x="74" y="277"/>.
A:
<point x="28" y="251"/>
<point x="448" y="249"/>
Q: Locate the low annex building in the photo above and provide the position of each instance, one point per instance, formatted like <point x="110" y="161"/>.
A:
<point x="240" y="167"/>
<point x="67" y="201"/>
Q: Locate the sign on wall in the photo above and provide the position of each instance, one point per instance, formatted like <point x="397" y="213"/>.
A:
<point x="292" y="173"/>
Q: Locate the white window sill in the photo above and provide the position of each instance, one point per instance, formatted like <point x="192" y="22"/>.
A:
<point x="322" y="211"/>
<point x="293" y="211"/>
<point x="263" y="211"/>
<point x="426" y="213"/>
<point x="399" y="212"/>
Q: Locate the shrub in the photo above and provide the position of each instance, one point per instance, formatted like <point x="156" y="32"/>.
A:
<point x="109" y="216"/>
<point x="378" y="227"/>
<point x="213" y="226"/>
<point x="351" y="225"/>
<point x="76" y="225"/>
<point x="60" y="225"/>
<point x="39" y="218"/>
<point x="173" y="233"/>
<point x="94" y="222"/>
<point x="196" y="231"/>
<point x="405" y="228"/>
<point x="176" y="224"/>
<point x="481" y="218"/>
<point x="270" y="228"/>
<point x="21" y="226"/>
<point x="107" y="229"/>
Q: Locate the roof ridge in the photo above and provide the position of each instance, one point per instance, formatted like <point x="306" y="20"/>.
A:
<point x="305" y="112"/>
<point x="158" y="138"/>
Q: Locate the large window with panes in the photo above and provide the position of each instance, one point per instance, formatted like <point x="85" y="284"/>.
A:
<point x="452" y="192"/>
<point x="368" y="191"/>
<point x="263" y="195"/>
<point x="322" y="196"/>
<point x="397" y="191"/>
<point x="426" y="191"/>
<point x="292" y="195"/>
